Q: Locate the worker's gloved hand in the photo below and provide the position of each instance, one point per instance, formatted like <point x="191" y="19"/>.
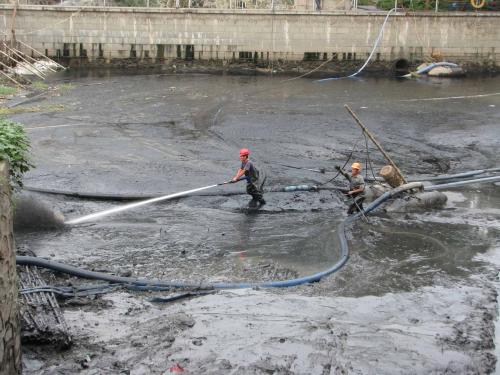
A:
<point x="338" y="168"/>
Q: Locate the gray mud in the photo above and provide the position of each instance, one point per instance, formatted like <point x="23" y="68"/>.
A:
<point x="416" y="296"/>
<point x="33" y="213"/>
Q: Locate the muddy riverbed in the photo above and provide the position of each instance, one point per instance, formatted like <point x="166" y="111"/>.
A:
<point x="418" y="294"/>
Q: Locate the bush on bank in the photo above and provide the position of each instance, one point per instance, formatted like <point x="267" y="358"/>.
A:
<point x="14" y="147"/>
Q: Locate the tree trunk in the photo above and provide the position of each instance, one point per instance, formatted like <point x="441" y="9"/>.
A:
<point x="391" y="176"/>
<point x="10" y="343"/>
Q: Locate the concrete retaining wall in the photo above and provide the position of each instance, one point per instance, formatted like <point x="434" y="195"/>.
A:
<point x="205" y="34"/>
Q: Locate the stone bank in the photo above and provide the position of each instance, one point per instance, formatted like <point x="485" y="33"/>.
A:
<point x="104" y="35"/>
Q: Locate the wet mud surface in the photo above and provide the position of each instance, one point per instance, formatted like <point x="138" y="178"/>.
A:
<point x="417" y="295"/>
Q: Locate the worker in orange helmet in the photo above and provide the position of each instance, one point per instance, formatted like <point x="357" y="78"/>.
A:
<point x="255" y="181"/>
<point x="356" y="187"/>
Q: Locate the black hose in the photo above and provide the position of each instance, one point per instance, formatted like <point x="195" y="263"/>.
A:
<point x="115" y="197"/>
<point x="144" y="284"/>
<point x="136" y="197"/>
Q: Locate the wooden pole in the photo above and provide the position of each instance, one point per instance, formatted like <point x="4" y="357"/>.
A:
<point x="41" y="54"/>
<point x="367" y="132"/>
<point x="9" y="77"/>
<point x="28" y="66"/>
<point x="13" y="23"/>
<point x="26" y="61"/>
<point x="29" y="57"/>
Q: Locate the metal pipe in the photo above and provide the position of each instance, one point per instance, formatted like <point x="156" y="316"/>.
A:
<point x="462" y="183"/>
<point x="458" y="175"/>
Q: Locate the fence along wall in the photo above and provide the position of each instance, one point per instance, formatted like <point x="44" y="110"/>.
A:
<point x="120" y="33"/>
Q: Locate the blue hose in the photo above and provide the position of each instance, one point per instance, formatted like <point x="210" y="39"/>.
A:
<point x="144" y="284"/>
<point x="429" y="67"/>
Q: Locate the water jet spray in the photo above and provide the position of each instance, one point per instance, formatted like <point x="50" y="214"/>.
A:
<point x="130" y="206"/>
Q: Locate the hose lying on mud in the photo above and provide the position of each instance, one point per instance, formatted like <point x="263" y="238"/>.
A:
<point x="302" y="187"/>
<point x="145" y="284"/>
<point x="93" y="290"/>
<point x="458" y="175"/>
<point x="134" y="197"/>
<point x="462" y="183"/>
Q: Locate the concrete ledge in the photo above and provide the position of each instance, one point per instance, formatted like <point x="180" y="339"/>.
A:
<point x="260" y="12"/>
<point x="258" y="35"/>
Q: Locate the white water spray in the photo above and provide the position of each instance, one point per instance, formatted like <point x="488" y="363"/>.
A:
<point x="137" y="204"/>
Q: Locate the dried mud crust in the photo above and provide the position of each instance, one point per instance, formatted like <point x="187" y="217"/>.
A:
<point x="432" y="330"/>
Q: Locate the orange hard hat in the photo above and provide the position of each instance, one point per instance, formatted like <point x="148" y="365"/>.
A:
<point x="356" y="166"/>
<point x="244" y="152"/>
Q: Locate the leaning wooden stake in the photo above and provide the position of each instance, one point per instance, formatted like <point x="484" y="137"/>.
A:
<point x="28" y="66"/>
<point x="9" y="77"/>
<point x="29" y="57"/>
<point x="367" y="132"/>
<point x="41" y="54"/>
<point x="24" y="60"/>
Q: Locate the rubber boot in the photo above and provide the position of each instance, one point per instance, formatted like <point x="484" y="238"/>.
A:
<point x="253" y="203"/>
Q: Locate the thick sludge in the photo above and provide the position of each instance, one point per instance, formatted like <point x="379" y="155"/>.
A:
<point x="417" y="294"/>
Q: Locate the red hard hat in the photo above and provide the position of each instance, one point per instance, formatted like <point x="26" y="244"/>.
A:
<point x="244" y="152"/>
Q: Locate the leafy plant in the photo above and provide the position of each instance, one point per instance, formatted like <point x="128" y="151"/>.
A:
<point x="49" y="108"/>
<point x="413" y="5"/>
<point x="65" y="86"/>
<point x="6" y="90"/>
<point x="14" y="147"/>
<point x="39" y="85"/>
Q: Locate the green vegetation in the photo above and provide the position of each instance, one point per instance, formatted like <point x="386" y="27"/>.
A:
<point x="412" y="5"/>
<point x="7" y="90"/>
<point x="14" y="147"/>
<point x="65" y="87"/>
<point x="39" y="85"/>
<point x="134" y="3"/>
<point x="50" y="108"/>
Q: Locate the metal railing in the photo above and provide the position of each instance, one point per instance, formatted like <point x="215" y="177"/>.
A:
<point x="428" y="5"/>
<point x="172" y="4"/>
<point x="303" y="5"/>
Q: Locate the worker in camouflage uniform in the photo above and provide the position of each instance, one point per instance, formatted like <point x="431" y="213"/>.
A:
<point x="356" y="187"/>
<point x="255" y="180"/>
